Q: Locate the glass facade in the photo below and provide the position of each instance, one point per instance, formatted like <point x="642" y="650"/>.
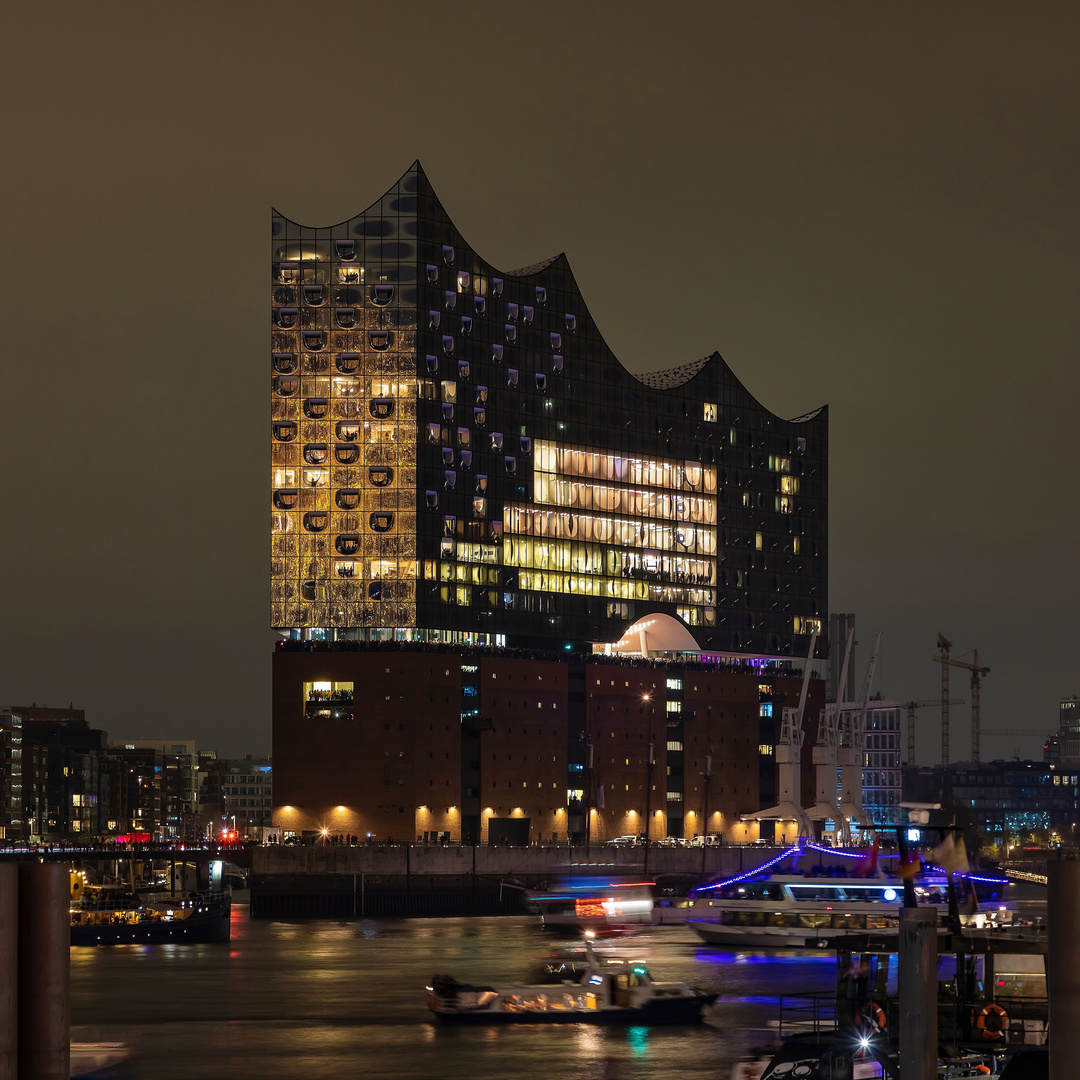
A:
<point x="458" y="456"/>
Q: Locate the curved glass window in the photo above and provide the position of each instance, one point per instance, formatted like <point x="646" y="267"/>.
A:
<point x="347" y="453"/>
<point x="382" y="294"/>
<point x="316" y="453"/>
<point x="510" y="463"/>
<point x="541" y="381"/>
<point x="448" y="410"/>
<point x="466" y="459"/>
<point x="286" y="385"/>
<point x="571" y="322"/>
<point x="432" y="363"/>
<point x="431" y="500"/>
<point x="556" y="341"/>
<point x="347" y="498"/>
<point x="382" y="408"/>
<point x="349" y="275"/>
<point x="314" y="340"/>
<point x="285" y="318"/>
<point x="448" y="255"/>
<point x="381" y="475"/>
<point x="479" y="417"/>
<point x="288" y="273"/>
<point x="557" y="363"/>
<point x="314" y="295"/>
<point x="466" y="324"/>
<point x="432" y="274"/>
<point x="379" y="339"/>
<point x="309" y="590"/>
<point x="347" y="430"/>
<point x="449" y="480"/>
<point x="450" y="301"/>
<point x="448" y="345"/>
<point x="345" y="250"/>
<point x="433" y="434"/>
<point x="448" y="455"/>
<point x="497" y="353"/>
<point x="347" y="543"/>
<point x="511" y="313"/>
<point x="479" y="304"/>
<point x="464" y="436"/>
<point x="511" y="332"/>
<point x="316" y="520"/>
<point x="284" y="430"/>
<point x="463" y="281"/>
<point x="381" y="521"/>
<point x="315" y="477"/>
<point x="284" y="363"/>
<point x="449" y="525"/>
<point x="479" y="507"/>
<point x="316" y="408"/>
<point x="347" y="362"/>
<point x="286" y="498"/>
<point x="525" y="442"/>
<point x="345" y="317"/>
<point x="434" y="318"/>
<point x="481" y="395"/>
<point x="463" y="369"/>
<point x="345" y="569"/>
<point x="496" y="440"/>
<point x="511" y="377"/>
<point x="374" y="590"/>
<point x="527" y="316"/>
<point x="481" y="483"/>
<point x="541" y="294"/>
<point x="496" y="286"/>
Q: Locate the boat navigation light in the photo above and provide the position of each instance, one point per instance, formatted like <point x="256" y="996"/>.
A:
<point x="890" y="894"/>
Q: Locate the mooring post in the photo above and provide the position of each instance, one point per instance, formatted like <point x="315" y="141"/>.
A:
<point x="918" y="993"/>
<point x="1063" y="964"/>
<point x="9" y="969"/>
<point x="44" y="1027"/>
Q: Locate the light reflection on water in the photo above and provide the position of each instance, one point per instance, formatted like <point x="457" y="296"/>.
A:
<point x="326" y="998"/>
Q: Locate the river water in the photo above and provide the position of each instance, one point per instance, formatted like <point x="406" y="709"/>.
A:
<point x="326" y="998"/>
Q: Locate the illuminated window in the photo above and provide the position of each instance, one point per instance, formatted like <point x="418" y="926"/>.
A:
<point x="710" y="412"/>
<point x="316" y="453"/>
<point x="759" y="541"/>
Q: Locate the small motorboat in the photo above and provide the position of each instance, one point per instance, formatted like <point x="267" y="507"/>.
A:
<point x="610" y="993"/>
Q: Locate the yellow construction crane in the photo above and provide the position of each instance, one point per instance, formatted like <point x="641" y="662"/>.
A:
<point x="911" y="706"/>
<point x="977" y="672"/>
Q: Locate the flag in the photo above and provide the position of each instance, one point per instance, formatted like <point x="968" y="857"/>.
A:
<point x="951" y="855"/>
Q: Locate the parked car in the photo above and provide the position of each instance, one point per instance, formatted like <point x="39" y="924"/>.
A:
<point x="626" y="841"/>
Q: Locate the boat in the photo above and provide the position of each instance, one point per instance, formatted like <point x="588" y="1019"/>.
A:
<point x="107" y="915"/>
<point x="817" y="907"/>
<point x="597" y="904"/>
<point x="612" y="993"/>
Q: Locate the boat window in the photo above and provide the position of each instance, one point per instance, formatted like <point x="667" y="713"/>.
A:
<point x="811" y="890"/>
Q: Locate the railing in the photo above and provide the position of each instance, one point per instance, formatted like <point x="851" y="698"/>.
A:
<point x="807" y="1014"/>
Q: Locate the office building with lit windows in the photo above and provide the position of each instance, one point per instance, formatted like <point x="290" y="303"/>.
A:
<point x="459" y="461"/>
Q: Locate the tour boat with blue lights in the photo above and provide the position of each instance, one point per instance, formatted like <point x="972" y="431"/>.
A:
<point x="817" y="906"/>
<point x="615" y="992"/>
<point x="597" y="904"/>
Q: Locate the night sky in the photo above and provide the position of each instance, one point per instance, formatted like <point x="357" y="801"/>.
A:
<point x="869" y="206"/>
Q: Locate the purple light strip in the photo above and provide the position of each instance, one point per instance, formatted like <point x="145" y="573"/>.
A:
<point x="753" y="873"/>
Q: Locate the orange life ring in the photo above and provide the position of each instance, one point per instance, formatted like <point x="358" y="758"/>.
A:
<point x="992" y="1022"/>
<point x="873" y="1018"/>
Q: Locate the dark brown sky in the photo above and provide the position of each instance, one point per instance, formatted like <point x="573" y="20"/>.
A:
<point x="873" y="206"/>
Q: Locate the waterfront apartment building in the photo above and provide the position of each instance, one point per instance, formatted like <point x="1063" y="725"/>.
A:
<point x="235" y="795"/>
<point x="12" y="821"/>
<point x="881" y="764"/>
<point x="460" y="463"/>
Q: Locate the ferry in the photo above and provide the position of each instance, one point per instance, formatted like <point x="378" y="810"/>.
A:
<point x="104" y="915"/>
<point x="819" y="906"/>
<point x="613" y="993"/>
<point x="596" y="904"/>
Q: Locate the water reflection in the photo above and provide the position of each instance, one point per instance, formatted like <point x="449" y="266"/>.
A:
<point x="340" y="998"/>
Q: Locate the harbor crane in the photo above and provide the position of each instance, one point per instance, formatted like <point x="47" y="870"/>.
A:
<point x="911" y="706"/>
<point x="977" y="672"/>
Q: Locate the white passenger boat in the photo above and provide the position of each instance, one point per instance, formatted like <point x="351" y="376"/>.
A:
<point x="611" y="993"/>
<point x="598" y="904"/>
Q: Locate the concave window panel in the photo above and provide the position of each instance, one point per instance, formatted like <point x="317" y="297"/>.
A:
<point x="557" y="363"/>
<point x="288" y="273"/>
<point x="448" y="345"/>
<point x="466" y="325"/>
<point x="285" y="363"/>
<point x="350" y="275"/>
<point x="314" y="340"/>
<point x="285" y="430"/>
<point x="316" y="408"/>
<point x="570" y="322"/>
<point x="510" y="464"/>
<point x="448" y="411"/>
<point x="286" y="386"/>
<point x="463" y="369"/>
<point x="527" y="314"/>
<point x="466" y="459"/>
<point x="448" y="255"/>
<point x="312" y="590"/>
<point x="541" y="294"/>
<point x="496" y="286"/>
<point x="382" y="408"/>
<point x="481" y="395"/>
<point x="379" y="339"/>
<point x="479" y="417"/>
<point x="448" y="455"/>
<point x="511" y="332"/>
<point x="496" y="440"/>
<point x="541" y="381"/>
<point x="348" y="363"/>
<point x="345" y="250"/>
<point x="315" y="478"/>
<point x="497" y="353"/>
<point x="347" y="430"/>
<point x="434" y="319"/>
<point x="314" y="295"/>
<point x="511" y="376"/>
<point x="345" y="317"/>
<point x="286" y="498"/>
<point x="381" y="521"/>
<point x="381" y="475"/>
<point x="449" y="480"/>
<point x="347" y="498"/>
<point x="481" y="483"/>
<point x="432" y="274"/>
<point x="382" y="294"/>
<point x="479" y="304"/>
<point x="316" y="453"/>
<point x="285" y="318"/>
<point x="347" y="543"/>
<point x="431" y="500"/>
<point x="346" y="453"/>
<point x="432" y="364"/>
<point x="345" y="568"/>
<point x="556" y="341"/>
<point x="316" y="520"/>
<point x="450" y="300"/>
<point x="374" y="590"/>
<point x="464" y="281"/>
